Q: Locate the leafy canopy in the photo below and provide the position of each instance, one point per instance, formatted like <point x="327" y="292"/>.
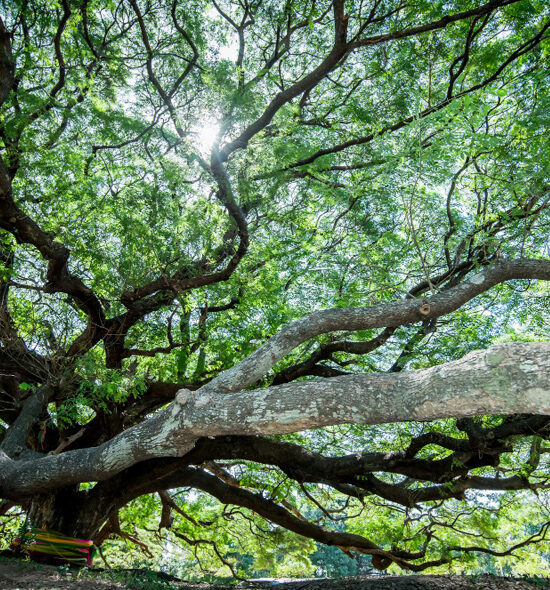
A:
<point x="219" y="169"/>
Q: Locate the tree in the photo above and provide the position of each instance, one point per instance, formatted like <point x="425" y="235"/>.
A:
<point x="226" y="223"/>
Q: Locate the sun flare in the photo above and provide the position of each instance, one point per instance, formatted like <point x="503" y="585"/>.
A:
<point x="204" y="135"/>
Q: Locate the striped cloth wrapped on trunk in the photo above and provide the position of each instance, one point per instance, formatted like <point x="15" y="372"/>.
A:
<point x="53" y="547"/>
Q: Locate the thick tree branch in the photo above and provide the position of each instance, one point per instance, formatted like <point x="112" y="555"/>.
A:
<point x="7" y="64"/>
<point x="504" y="379"/>
<point x="308" y="82"/>
<point x="14" y="443"/>
<point x="259" y="363"/>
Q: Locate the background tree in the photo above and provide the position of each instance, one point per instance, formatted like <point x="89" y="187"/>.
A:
<point x="273" y="208"/>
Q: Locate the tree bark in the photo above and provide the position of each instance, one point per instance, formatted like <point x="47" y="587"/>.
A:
<point x="505" y="379"/>
<point x="67" y="511"/>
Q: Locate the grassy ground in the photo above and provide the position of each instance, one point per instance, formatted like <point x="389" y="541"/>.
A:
<point x="22" y="575"/>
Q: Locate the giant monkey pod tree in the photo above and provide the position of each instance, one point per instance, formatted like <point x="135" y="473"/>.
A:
<point x="277" y="270"/>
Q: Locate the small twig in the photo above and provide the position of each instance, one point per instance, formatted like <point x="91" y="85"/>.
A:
<point x="69" y="440"/>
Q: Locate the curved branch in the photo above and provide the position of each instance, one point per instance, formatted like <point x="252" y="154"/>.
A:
<point x="433" y="26"/>
<point x="16" y="435"/>
<point x="331" y="61"/>
<point x="25" y="230"/>
<point x="7" y="63"/>
<point x="260" y="362"/>
<point x="272" y="511"/>
<point x="504" y="379"/>
<point x="518" y="52"/>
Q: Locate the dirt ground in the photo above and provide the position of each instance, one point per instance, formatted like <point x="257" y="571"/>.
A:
<point x="16" y="575"/>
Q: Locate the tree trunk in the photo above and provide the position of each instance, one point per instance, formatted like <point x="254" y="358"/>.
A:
<point x="67" y="511"/>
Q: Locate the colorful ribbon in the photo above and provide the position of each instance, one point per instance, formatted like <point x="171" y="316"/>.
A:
<point x="53" y="547"/>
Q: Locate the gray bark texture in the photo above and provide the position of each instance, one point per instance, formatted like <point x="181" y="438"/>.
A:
<point x="506" y="378"/>
<point x="399" y="313"/>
